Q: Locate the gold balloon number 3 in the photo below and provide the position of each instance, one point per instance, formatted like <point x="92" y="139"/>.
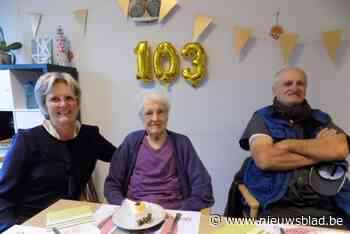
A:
<point x="194" y="51"/>
<point x="166" y="63"/>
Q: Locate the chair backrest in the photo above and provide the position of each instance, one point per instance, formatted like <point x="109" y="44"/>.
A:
<point x="1" y="160"/>
<point x="237" y="192"/>
<point x="89" y="193"/>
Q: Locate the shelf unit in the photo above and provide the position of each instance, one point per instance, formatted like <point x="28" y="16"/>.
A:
<point x="13" y="106"/>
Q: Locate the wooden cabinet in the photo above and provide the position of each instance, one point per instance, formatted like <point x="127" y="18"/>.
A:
<point x="15" y="113"/>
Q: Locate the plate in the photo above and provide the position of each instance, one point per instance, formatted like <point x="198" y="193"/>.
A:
<point x="123" y="218"/>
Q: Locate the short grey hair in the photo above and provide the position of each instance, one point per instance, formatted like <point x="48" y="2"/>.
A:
<point x="283" y="70"/>
<point x="153" y="97"/>
<point x="44" y="86"/>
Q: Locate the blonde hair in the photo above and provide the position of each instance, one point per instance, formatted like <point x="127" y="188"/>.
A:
<point x="45" y="84"/>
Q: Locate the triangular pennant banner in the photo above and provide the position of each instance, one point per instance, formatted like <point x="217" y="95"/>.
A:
<point x="200" y="24"/>
<point x="241" y="36"/>
<point x="124" y="6"/>
<point x="332" y="40"/>
<point x="81" y="16"/>
<point x="35" y="20"/>
<point x="288" y="42"/>
<point x="165" y="7"/>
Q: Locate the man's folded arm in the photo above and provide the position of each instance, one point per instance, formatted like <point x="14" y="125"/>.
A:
<point x="269" y="156"/>
<point x="327" y="148"/>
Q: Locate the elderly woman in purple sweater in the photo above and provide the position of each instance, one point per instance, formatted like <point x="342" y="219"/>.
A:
<point x="158" y="165"/>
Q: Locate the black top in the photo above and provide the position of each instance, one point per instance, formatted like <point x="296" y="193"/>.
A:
<point x="40" y="169"/>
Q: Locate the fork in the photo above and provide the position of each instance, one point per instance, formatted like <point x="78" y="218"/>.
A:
<point x="173" y="225"/>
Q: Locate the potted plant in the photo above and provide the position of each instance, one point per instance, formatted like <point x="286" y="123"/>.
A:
<point x="6" y="54"/>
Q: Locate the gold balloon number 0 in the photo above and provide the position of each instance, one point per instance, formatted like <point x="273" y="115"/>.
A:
<point x="166" y="52"/>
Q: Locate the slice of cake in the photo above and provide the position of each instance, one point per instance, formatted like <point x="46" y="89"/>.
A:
<point x="142" y="213"/>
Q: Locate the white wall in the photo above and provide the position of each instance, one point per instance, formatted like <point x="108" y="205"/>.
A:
<point x="214" y="115"/>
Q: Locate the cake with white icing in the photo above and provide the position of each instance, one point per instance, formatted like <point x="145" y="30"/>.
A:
<point x="141" y="213"/>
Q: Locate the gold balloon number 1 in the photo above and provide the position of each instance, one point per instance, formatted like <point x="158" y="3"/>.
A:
<point x="166" y="52"/>
<point x="144" y="72"/>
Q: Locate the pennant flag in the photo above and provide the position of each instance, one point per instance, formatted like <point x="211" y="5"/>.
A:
<point x="124" y="6"/>
<point x="241" y="36"/>
<point x="332" y="40"/>
<point x="165" y="7"/>
<point x="200" y="24"/>
<point x="81" y="16"/>
<point x="35" y="20"/>
<point x="288" y="42"/>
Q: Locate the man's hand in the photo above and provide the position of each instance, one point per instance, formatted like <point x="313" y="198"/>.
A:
<point x="327" y="146"/>
<point x="270" y="156"/>
<point x="326" y="132"/>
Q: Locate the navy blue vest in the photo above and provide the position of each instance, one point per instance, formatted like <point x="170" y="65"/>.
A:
<point x="270" y="186"/>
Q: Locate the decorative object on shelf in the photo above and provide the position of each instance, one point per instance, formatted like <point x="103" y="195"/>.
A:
<point x="276" y="30"/>
<point x="63" y="53"/>
<point x="42" y="48"/>
<point x="30" y="99"/>
<point x="6" y="54"/>
<point x="194" y="51"/>
<point x="144" y="71"/>
<point x="5" y="58"/>
<point x="166" y="49"/>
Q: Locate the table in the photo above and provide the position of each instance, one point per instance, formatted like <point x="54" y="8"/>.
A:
<point x="39" y="220"/>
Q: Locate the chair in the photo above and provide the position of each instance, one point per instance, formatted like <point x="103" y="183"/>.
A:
<point x="89" y="193"/>
<point x="253" y="204"/>
<point x="2" y="158"/>
<point x="4" y="144"/>
<point x="238" y="192"/>
<point x="206" y="211"/>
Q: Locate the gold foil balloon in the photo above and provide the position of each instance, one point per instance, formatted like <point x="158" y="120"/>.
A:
<point x="165" y="50"/>
<point x="144" y="72"/>
<point x="195" y="52"/>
